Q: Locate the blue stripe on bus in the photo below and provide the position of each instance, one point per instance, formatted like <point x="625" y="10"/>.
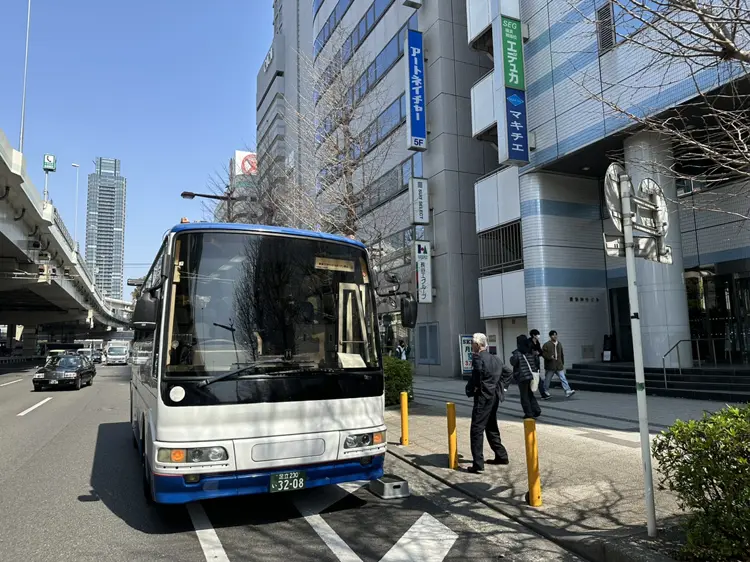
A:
<point x="174" y="489"/>
<point x="186" y="227"/>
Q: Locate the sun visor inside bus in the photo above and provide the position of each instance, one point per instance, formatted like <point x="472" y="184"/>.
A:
<point x="351" y="361"/>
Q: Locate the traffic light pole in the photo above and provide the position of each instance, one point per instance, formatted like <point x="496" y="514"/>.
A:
<point x="626" y="195"/>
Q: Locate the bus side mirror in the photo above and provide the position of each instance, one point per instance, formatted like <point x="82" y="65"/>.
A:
<point x="144" y="314"/>
<point x="408" y="311"/>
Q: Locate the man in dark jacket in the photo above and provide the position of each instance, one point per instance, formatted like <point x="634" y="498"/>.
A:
<point x="536" y="347"/>
<point x="488" y="375"/>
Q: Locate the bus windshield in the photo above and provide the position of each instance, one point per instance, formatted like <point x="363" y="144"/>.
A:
<point x="270" y="304"/>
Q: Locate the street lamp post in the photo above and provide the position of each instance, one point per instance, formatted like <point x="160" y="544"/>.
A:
<point x="25" y="67"/>
<point x="229" y="198"/>
<point x="75" y="228"/>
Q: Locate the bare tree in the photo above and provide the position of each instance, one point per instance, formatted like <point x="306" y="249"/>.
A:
<point x="348" y="123"/>
<point x="706" y="42"/>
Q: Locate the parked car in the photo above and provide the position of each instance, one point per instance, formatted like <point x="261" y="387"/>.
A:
<point x="65" y="370"/>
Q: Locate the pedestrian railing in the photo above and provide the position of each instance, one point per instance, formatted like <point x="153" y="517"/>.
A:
<point x="676" y="346"/>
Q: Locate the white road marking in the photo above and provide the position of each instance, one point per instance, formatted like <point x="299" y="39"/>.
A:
<point x="340" y="549"/>
<point x="34" y="407"/>
<point x="428" y="540"/>
<point x="11" y="382"/>
<point x="213" y="550"/>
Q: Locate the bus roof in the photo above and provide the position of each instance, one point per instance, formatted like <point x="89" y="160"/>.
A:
<point x="185" y="227"/>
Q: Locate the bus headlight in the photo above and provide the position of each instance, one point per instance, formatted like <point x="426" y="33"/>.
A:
<point x="200" y="454"/>
<point x="358" y="440"/>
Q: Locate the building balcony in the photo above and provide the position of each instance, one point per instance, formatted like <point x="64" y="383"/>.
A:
<point x="479" y="19"/>
<point x="502" y="295"/>
<point x="483" y="120"/>
<point x="497" y="199"/>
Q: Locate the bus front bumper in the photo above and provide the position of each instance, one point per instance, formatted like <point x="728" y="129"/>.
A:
<point x="173" y="489"/>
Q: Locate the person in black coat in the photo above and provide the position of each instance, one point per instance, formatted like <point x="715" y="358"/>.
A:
<point x="536" y="347"/>
<point x="486" y="386"/>
<point x="525" y="362"/>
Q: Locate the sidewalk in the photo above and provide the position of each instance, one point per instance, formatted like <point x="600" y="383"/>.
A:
<point x="589" y="455"/>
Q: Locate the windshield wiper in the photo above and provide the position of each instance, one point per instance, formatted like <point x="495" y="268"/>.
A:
<point x="249" y="367"/>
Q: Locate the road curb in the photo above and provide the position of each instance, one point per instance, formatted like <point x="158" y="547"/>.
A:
<point x="589" y="547"/>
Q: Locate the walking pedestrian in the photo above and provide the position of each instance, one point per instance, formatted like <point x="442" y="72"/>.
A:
<point x="488" y="373"/>
<point x="536" y="346"/>
<point x="525" y="365"/>
<point x="554" y="363"/>
<point x="401" y="350"/>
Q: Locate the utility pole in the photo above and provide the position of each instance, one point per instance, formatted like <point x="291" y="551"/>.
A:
<point x="25" y="70"/>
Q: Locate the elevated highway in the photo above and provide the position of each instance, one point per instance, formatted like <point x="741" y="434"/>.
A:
<point x="43" y="277"/>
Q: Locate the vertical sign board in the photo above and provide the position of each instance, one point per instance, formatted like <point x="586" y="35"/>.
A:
<point x="423" y="271"/>
<point x="513" y="145"/>
<point x="465" y="352"/>
<point x="420" y="199"/>
<point x="416" y="122"/>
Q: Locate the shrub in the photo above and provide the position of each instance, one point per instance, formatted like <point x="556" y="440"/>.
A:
<point x="399" y="377"/>
<point x="706" y="463"/>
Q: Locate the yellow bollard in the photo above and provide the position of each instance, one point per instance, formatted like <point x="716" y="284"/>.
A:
<point x="404" y="418"/>
<point x="452" y="439"/>
<point x="534" y="496"/>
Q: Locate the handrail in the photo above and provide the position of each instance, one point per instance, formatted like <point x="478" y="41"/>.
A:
<point x="698" y="349"/>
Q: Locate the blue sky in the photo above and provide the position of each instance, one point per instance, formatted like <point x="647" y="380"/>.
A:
<point x="167" y="87"/>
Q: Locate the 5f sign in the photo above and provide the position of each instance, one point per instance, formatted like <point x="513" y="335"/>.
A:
<point x="416" y="122"/>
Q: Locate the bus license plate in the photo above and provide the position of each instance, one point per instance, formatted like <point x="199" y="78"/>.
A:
<point x="287" y="481"/>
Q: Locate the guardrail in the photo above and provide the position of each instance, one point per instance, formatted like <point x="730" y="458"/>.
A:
<point x="64" y="230"/>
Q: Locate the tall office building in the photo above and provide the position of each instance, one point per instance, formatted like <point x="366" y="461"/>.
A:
<point x="105" y="226"/>
<point x="284" y="102"/>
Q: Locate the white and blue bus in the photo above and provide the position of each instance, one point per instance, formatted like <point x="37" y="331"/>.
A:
<point x="256" y="363"/>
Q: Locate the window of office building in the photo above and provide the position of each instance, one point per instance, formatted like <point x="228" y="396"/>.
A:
<point x="428" y="344"/>
<point x="501" y="249"/>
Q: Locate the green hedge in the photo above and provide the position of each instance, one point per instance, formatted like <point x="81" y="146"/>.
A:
<point x="706" y="463"/>
<point x="399" y="377"/>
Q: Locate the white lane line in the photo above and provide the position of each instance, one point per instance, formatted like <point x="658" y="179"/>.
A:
<point x="213" y="550"/>
<point x="11" y="382"/>
<point x="34" y="407"/>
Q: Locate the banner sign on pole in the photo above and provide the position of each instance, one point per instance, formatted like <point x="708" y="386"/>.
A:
<point x="423" y="267"/>
<point x="464" y="344"/>
<point x="416" y="121"/>
<point x="420" y="199"/>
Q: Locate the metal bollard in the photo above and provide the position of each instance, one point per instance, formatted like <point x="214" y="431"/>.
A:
<point x="534" y="495"/>
<point x="452" y="439"/>
<point x="404" y="418"/>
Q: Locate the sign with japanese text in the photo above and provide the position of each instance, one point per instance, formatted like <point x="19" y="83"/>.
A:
<point x="515" y="115"/>
<point x="420" y="199"/>
<point x="513" y="54"/>
<point x="466" y="353"/>
<point x="49" y="163"/>
<point x="416" y="121"/>
<point x="423" y="267"/>
<point x="510" y="94"/>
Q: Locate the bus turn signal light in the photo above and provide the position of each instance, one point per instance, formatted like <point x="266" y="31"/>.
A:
<point x="177" y="455"/>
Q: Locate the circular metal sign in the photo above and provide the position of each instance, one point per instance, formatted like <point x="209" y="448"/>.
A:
<point x="654" y="192"/>
<point x="612" y="193"/>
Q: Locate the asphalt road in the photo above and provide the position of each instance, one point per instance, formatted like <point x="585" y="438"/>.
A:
<point x="71" y="491"/>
